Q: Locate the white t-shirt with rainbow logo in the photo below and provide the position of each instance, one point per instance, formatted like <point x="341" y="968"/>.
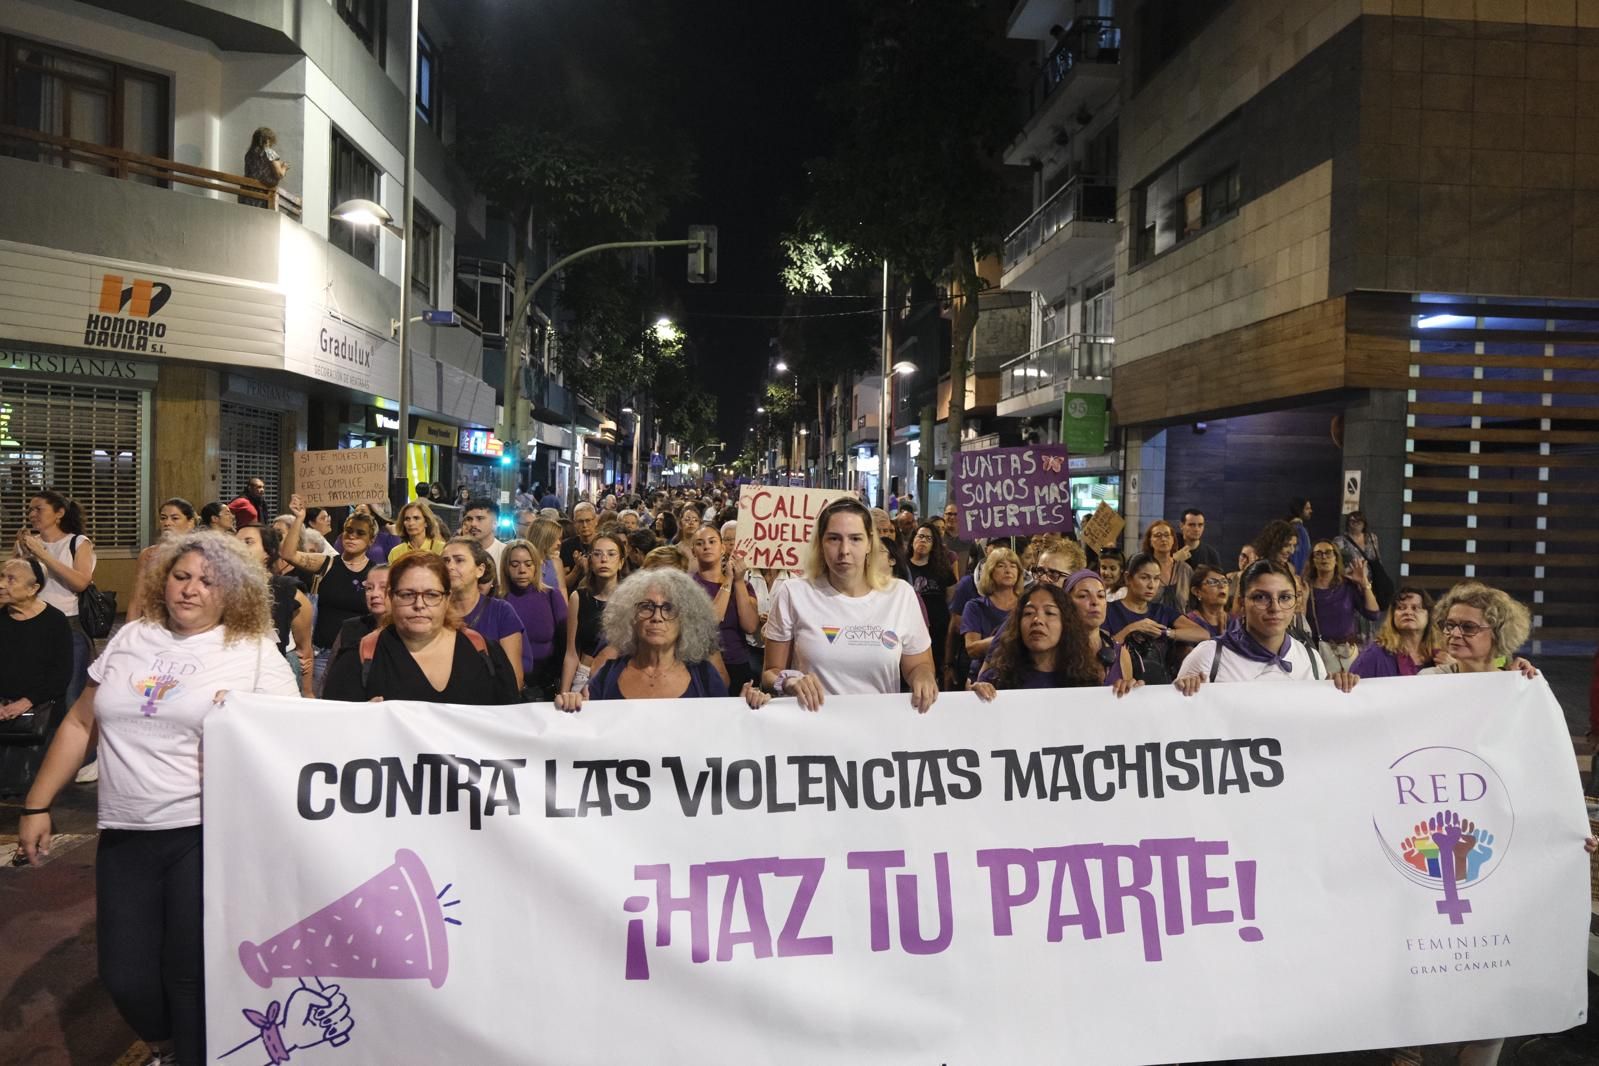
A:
<point x="852" y="644"/>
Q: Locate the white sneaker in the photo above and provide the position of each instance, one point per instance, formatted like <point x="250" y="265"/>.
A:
<point x="88" y="774"/>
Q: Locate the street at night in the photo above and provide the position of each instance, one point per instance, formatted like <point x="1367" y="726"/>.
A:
<point x="576" y="531"/>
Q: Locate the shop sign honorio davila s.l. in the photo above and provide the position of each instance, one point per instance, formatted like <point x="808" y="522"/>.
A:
<point x="125" y="318"/>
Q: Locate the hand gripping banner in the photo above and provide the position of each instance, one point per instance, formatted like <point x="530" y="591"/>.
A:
<point x="1058" y="876"/>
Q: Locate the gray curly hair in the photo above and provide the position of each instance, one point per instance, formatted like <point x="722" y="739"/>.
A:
<point x="1510" y="621"/>
<point x="247" y="610"/>
<point x="697" y="637"/>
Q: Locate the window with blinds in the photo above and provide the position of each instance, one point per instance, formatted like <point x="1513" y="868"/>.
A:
<point x="87" y="442"/>
<point x="251" y="439"/>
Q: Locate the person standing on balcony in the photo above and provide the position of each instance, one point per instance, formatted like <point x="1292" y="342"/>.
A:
<point x="262" y="163"/>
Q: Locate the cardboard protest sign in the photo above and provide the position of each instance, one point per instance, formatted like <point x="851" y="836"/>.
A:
<point x="1102" y="527"/>
<point x="774" y="524"/>
<point x="336" y="477"/>
<point x="1010" y="492"/>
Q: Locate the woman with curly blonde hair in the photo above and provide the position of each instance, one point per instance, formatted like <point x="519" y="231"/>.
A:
<point x="206" y="630"/>
<point x="1480" y="629"/>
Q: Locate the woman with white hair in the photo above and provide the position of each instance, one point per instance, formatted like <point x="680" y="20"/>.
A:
<point x="664" y="632"/>
<point x="848" y="628"/>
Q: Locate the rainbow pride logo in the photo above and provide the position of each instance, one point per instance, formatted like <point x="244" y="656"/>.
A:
<point x="831" y="633"/>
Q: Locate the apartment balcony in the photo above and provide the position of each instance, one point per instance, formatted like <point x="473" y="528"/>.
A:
<point x="1033" y="384"/>
<point x="1077" y="222"/>
<point x="1083" y="72"/>
<point x="551" y="401"/>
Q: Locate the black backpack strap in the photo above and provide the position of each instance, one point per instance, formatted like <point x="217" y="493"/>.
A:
<point x="1215" y="660"/>
<point x="1315" y="663"/>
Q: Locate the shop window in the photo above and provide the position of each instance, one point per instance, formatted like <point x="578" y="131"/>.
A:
<point x="86" y="442"/>
<point x="64" y="94"/>
<point x="366" y="20"/>
<point x="251" y="446"/>
<point x="1198" y="189"/>
<point x="353" y="177"/>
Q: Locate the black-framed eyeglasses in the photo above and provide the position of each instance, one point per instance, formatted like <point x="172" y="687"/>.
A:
<point x="1050" y="575"/>
<point x="1465" y="629"/>
<point x="1214" y="583"/>
<point x="646" y="609"/>
<point x="431" y="597"/>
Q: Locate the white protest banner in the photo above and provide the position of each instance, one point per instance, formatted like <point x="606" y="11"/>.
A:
<point x="338" y="476"/>
<point x="775" y="522"/>
<point x="1280" y="869"/>
<point x="1013" y="492"/>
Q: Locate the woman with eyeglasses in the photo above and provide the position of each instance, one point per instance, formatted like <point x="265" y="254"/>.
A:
<point x="1335" y="603"/>
<point x="1256" y="645"/>
<point x="847" y="628"/>
<point x="1045" y="644"/>
<point x="420" y="531"/>
<point x="1162" y="544"/>
<point x="340" y="596"/>
<point x="1209" y="594"/>
<point x="586" y="606"/>
<point x="932" y="578"/>
<point x="1404" y="646"/>
<point x="664" y="633"/>
<point x="471" y="570"/>
<point x="422" y="651"/>
<point x="174" y="518"/>
<point x="1481" y="628"/>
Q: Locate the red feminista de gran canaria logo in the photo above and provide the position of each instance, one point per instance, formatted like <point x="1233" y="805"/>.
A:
<point x="125" y="317"/>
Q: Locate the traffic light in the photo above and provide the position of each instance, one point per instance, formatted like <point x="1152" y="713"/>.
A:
<point x="702" y="260"/>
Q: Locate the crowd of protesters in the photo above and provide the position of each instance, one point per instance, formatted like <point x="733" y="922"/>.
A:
<point x="628" y="597"/>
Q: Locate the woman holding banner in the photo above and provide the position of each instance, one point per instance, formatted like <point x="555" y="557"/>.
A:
<point x="206" y="629"/>
<point x="1045" y="644"/>
<point x="847" y="628"/>
<point x="1481" y="629"/>
<point x="1256" y="645"/>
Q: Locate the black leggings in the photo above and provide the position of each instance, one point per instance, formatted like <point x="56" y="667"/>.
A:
<point x="152" y="959"/>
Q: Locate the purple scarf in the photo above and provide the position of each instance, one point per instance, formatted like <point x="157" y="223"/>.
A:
<point x="1238" y="640"/>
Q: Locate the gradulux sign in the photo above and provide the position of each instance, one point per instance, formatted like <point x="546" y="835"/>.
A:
<point x="692" y="882"/>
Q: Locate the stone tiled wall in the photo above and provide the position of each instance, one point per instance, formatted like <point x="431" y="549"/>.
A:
<point x="1479" y="157"/>
<point x="1268" y="259"/>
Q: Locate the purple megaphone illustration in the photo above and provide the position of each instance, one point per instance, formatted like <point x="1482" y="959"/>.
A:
<point x="391" y="927"/>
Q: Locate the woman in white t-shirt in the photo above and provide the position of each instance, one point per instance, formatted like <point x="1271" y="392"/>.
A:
<point x="848" y="627"/>
<point x="206" y="629"/>
<point x="54" y="538"/>
<point x="1256" y="646"/>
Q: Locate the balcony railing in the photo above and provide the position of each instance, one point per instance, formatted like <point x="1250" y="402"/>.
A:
<point x="20" y="143"/>
<point x="1079" y="355"/>
<point x="1086" y="40"/>
<point x="1089" y="199"/>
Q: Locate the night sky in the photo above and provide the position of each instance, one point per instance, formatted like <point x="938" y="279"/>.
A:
<point x="750" y="99"/>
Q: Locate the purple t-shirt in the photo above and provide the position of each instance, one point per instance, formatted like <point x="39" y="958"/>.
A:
<point x="1377" y="661"/>
<point x="1031" y="678"/>
<point x="494" y="618"/>
<point x="1118" y="617"/>
<point x="1335" y="610"/>
<point x="543" y="615"/>
<point x="729" y="634"/>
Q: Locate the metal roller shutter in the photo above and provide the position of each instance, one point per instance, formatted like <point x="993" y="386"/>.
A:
<point x="86" y="442"/>
<point x="250" y="447"/>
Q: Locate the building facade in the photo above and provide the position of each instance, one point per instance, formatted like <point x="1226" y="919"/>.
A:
<point x="1352" y="247"/>
<point x="167" y="330"/>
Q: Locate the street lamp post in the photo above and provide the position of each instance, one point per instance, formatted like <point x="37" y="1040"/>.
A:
<point x="902" y="368"/>
<point x="883" y="407"/>
<point x="632" y="473"/>
<point x="366" y="213"/>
